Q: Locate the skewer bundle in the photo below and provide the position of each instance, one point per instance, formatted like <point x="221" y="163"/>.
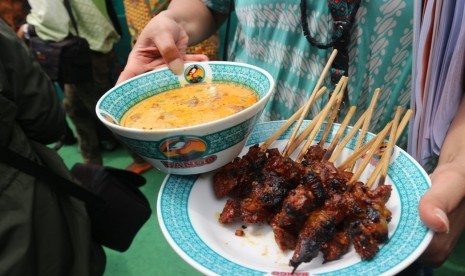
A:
<point x="311" y="205"/>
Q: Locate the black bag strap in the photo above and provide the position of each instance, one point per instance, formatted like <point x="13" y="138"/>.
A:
<point x="58" y="182"/>
<point x="71" y="15"/>
<point x="343" y="14"/>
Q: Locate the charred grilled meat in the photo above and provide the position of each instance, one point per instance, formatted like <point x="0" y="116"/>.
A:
<point x="319" y="228"/>
<point x="310" y="206"/>
<point x="297" y="205"/>
<point x="238" y="174"/>
<point x="256" y="197"/>
<point x="338" y="245"/>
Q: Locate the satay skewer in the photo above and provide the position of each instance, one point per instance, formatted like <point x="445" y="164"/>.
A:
<point x="321" y="119"/>
<point x="383" y="162"/>
<point x="302" y="135"/>
<point x="357" y="154"/>
<point x="331" y="119"/>
<point x="290" y="121"/>
<point x="358" y="172"/>
<point x="366" y="123"/>
<point x="386" y="156"/>
<point x="306" y="132"/>
<point x="347" y="138"/>
<point x="339" y="133"/>
<point x="340" y="87"/>
<point x="317" y="87"/>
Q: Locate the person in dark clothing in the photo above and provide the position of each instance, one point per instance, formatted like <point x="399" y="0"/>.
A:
<point x="42" y="231"/>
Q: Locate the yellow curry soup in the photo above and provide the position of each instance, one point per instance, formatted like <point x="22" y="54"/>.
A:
<point x="189" y="106"/>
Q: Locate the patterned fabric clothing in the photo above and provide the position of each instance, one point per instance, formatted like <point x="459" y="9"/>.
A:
<point x="269" y="35"/>
<point x="139" y="13"/>
<point x="52" y="22"/>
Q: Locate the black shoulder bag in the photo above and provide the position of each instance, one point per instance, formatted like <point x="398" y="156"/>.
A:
<point x="66" y="61"/>
<point x="115" y="205"/>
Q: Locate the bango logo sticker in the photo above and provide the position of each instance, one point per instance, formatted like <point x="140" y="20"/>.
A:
<point x="194" y="74"/>
<point x="185" y="152"/>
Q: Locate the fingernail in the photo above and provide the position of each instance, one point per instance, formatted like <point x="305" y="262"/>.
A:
<point x="443" y="217"/>
<point x="177" y="66"/>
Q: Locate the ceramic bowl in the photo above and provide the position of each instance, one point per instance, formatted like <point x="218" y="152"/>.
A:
<point x="187" y="150"/>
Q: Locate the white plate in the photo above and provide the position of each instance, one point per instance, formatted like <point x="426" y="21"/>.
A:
<point x="188" y="213"/>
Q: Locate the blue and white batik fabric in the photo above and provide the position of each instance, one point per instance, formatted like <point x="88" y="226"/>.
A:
<point x="269" y="35"/>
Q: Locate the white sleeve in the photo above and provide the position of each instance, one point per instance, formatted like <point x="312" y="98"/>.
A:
<point x="50" y="19"/>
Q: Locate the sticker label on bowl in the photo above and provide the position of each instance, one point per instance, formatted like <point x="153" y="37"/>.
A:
<point x="194" y="73"/>
<point x="183" y="148"/>
<point x="189" y="164"/>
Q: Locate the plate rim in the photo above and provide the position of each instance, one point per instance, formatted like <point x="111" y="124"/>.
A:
<point x="428" y="234"/>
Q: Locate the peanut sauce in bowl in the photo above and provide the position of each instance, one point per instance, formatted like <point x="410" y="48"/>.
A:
<point x="189" y="106"/>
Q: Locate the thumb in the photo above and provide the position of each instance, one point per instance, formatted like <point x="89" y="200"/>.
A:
<point x="433" y="215"/>
<point x="446" y="192"/>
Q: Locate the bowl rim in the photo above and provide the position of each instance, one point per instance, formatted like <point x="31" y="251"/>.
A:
<point x="187" y="128"/>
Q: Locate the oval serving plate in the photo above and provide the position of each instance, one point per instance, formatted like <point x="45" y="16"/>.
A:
<point x="188" y="214"/>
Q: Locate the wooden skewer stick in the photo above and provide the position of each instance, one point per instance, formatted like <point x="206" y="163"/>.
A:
<point x="291" y="147"/>
<point x="302" y="135"/>
<point x="378" y="167"/>
<point x="369" y="183"/>
<point x="311" y="126"/>
<point x="331" y="119"/>
<point x="370" y="153"/>
<point x="298" y="140"/>
<point x="317" y="87"/>
<point x="322" y="115"/>
<point x="366" y="124"/>
<point x="388" y="151"/>
<point x="289" y="122"/>
<point x="357" y="154"/>
<point x="337" y="137"/>
<point x="347" y="138"/>
<point x="339" y="89"/>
